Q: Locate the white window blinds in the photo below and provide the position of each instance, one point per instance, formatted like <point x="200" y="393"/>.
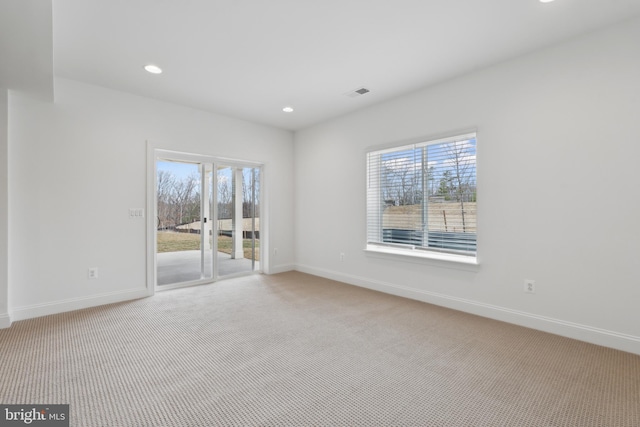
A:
<point x="423" y="196"/>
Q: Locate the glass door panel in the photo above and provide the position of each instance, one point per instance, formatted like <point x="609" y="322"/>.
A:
<point x="238" y="219"/>
<point x="184" y="249"/>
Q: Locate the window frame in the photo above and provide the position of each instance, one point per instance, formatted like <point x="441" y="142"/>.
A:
<point x="408" y="252"/>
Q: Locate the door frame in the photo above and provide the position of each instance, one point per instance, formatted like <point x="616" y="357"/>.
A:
<point x="155" y="153"/>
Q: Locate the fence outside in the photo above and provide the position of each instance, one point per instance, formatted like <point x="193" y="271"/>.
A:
<point x="441" y="217"/>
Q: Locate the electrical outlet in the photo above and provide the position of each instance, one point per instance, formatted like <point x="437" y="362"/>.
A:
<point x="341" y="256"/>
<point x="93" y="273"/>
<point x="530" y="286"/>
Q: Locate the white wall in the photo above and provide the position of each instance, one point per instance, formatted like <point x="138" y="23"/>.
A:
<point x="558" y="200"/>
<point x="78" y="165"/>
<point x="4" y="208"/>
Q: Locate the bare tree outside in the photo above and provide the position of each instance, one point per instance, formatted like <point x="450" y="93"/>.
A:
<point x="250" y="190"/>
<point x="225" y="196"/>
<point x="401" y="181"/>
<point x="186" y="200"/>
<point x="461" y="159"/>
<point x="178" y="199"/>
<point x="165" y="185"/>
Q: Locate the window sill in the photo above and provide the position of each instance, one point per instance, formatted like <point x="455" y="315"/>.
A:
<point x="434" y="258"/>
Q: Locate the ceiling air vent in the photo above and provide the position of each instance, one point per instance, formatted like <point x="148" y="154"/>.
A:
<point x="357" y="92"/>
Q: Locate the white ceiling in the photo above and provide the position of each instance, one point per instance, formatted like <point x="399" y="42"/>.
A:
<point x="250" y="58"/>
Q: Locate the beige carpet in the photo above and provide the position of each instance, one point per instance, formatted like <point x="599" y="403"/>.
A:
<point x="297" y="350"/>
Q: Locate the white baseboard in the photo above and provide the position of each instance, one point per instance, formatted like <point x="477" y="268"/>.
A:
<point x="281" y="268"/>
<point x="5" y="321"/>
<point x="603" y="337"/>
<point x="55" y="307"/>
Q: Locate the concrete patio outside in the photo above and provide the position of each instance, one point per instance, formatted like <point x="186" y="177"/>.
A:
<point x="184" y="266"/>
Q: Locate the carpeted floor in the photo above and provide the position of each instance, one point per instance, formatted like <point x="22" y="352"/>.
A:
<point x="297" y="350"/>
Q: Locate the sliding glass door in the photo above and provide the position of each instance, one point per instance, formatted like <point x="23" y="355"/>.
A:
<point x="208" y="219"/>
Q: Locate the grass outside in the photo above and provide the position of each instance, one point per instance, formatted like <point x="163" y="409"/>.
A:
<point x="225" y="244"/>
<point x="169" y="241"/>
<point x="174" y="242"/>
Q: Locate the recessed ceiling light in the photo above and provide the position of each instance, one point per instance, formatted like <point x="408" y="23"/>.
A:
<point x="288" y="109"/>
<point x="153" y="69"/>
<point x="546" y="1"/>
